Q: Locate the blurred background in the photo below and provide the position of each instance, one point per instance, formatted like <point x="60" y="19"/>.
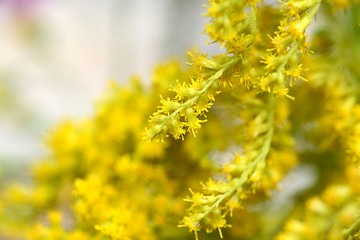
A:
<point x="56" y="58"/>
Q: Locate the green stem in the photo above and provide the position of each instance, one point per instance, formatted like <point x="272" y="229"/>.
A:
<point x="210" y="82"/>
<point x="287" y="57"/>
<point x="263" y="152"/>
<point x="347" y="232"/>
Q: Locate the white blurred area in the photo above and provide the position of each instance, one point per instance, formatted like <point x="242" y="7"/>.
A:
<point x="56" y="57"/>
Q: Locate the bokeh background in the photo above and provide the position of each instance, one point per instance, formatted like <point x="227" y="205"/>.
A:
<point x="56" y="58"/>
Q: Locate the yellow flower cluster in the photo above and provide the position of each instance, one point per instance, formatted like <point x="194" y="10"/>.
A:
<point x="332" y="213"/>
<point x="253" y="172"/>
<point x="328" y="216"/>
<point x="55" y="230"/>
<point x="232" y="26"/>
<point x="282" y="62"/>
<point x="235" y="28"/>
<point x="103" y="179"/>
